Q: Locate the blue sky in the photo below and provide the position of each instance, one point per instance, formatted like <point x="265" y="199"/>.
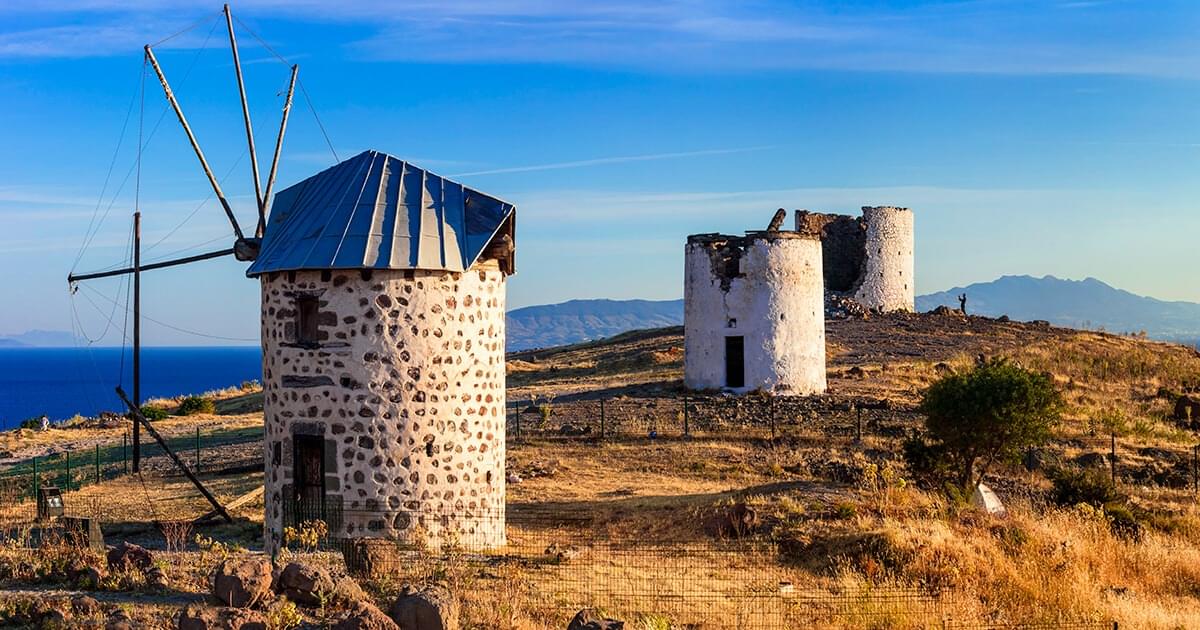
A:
<point x="1049" y="137"/>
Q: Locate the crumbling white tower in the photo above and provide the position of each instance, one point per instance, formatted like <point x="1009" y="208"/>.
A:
<point x="383" y="291"/>
<point x="868" y="259"/>
<point x="754" y="313"/>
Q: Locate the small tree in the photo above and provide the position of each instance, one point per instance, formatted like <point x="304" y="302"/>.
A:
<point x="989" y="414"/>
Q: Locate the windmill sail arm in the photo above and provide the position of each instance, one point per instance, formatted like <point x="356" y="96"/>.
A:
<point x="150" y="267"/>
<point x="287" y="108"/>
<point x="212" y="179"/>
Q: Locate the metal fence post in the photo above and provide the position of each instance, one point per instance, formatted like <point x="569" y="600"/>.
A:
<point x="602" y="418"/>
<point x="197" y="449"/>
<point x="771" y="413"/>
<point x="124" y="453"/>
<point x="68" y="484"/>
<point x="97" y="463"/>
<point x="859" y="429"/>
<point x="685" y="416"/>
<point x="36" y="485"/>
<point x="517" y="404"/>
<point x="1112" y="458"/>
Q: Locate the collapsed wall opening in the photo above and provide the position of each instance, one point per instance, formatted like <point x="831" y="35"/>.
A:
<point x="843" y="248"/>
<point x="724" y="255"/>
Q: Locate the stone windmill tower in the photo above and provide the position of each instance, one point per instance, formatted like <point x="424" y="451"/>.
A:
<point x="383" y="291"/>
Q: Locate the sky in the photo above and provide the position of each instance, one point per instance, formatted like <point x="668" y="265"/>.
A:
<point x="1030" y="137"/>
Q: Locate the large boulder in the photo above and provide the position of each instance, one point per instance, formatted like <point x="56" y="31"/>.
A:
<point x="242" y="582"/>
<point x="363" y="616"/>
<point x="306" y="585"/>
<point x="430" y="608"/>
<point x="127" y="555"/>
<point x="200" y="617"/>
<point x="372" y="557"/>
<point x="589" y="619"/>
<point x="733" y="521"/>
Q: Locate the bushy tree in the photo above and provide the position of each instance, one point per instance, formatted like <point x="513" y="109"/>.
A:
<point x="989" y="414"/>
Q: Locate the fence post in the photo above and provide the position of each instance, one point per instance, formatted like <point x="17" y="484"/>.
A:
<point x="97" y="463"/>
<point x="859" y="429"/>
<point x="124" y="454"/>
<point x="601" y="418"/>
<point x="68" y="484"/>
<point x="36" y="485"/>
<point x="685" y="417"/>
<point x="517" y="404"/>
<point x="197" y="449"/>
<point x="1112" y="458"/>
<point x="771" y="413"/>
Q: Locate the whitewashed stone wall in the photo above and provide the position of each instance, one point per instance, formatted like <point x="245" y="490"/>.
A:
<point x="775" y="300"/>
<point x="888" y="270"/>
<point x="406" y="389"/>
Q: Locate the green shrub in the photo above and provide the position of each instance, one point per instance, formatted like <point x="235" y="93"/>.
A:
<point x="927" y="462"/>
<point x="1093" y="487"/>
<point x="154" y="413"/>
<point x="989" y="414"/>
<point x="1123" y="520"/>
<point x="193" y="405"/>
<point x="34" y="423"/>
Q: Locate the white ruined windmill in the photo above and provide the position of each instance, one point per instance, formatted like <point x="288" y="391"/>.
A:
<point x="244" y="248"/>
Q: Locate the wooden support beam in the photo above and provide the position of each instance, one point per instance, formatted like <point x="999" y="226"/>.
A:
<point x="138" y="417"/>
<point x="212" y="179"/>
<point x="150" y="267"/>
<point x="287" y="108"/>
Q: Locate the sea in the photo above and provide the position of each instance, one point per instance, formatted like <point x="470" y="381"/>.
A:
<point x="63" y="382"/>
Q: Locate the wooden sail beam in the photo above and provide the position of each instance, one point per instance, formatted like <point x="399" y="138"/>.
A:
<point x="287" y="108"/>
<point x="212" y="179"/>
<point x="152" y="266"/>
<point x="138" y="417"/>
<point x="237" y="66"/>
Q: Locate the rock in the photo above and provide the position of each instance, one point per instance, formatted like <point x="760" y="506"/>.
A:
<point x="1091" y="460"/>
<point x="432" y="608"/>
<point x="943" y="368"/>
<point x="986" y="500"/>
<point x="200" y="617"/>
<point x="129" y="556"/>
<point x="85" y="606"/>
<point x="570" y="429"/>
<point x="304" y="584"/>
<point x="155" y="578"/>
<point x="55" y="620"/>
<point x="242" y="583"/>
<point x="372" y="557"/>
<point x="589" y="619"/>
<point x="561" y="553"/>
<point x="1040" y="459"/>
<point x="1040" y="323"/>
<point x="363" y="616"/>
<point x="120" y="620"/>
<point x="513" y="478"/>
<point x="1003" y="318"/>
<point x="734" y="521"/>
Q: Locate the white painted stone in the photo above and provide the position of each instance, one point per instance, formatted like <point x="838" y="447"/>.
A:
<point x="405" y="386"/>
<point x="887" y="277"/>
<point x="776" y="302"/>
<point x="985" y="499"/>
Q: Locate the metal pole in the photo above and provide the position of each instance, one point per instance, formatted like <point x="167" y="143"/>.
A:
<point x="125" y="452"/>
<point x="68" y="484"/>
<point x="212" y="179"/>
<point x="771" y="412"/>
<point x="97" y="463"/>
<point x="1112" y="458"/>
<point x="36" y="483"/>
<point x="198" y="428"/>
<point x="287" y="108"/>
<point x="685" y="416"/>
<point x="859" y="411"/>
<point x="237" y="66"/>
<point x="137" y="336"/>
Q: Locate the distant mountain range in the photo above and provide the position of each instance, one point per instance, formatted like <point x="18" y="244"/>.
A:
<point x="1088" y="303"/>
<point x="583" y="320"/>
<point x="38" y="339"/>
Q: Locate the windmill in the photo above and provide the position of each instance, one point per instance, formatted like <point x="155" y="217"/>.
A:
<point x="244" y="248"/>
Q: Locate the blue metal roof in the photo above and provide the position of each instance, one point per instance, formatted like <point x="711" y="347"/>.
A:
<point x="375" y="211"/>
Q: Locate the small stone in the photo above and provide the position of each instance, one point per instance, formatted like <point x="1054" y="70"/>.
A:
<point x="363" y="616"/>
<point x="200" y="617"/>
<point x="85" y="606"/>
<point x="513" y="478"/>
<point x="589" y="619"/>
<point x="306" y="585"/>
<point x="129" y="556"/>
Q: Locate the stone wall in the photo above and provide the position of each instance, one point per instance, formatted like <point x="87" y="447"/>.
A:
<point x="404" y="388"/>
<point x="766" y="287"/>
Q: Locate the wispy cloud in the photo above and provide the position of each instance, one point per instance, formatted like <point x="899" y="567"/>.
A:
<point x="608" y="160"/>
<point x="982" y="36"/>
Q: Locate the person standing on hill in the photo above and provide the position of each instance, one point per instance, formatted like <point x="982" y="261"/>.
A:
<point x="962" y="303"/>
